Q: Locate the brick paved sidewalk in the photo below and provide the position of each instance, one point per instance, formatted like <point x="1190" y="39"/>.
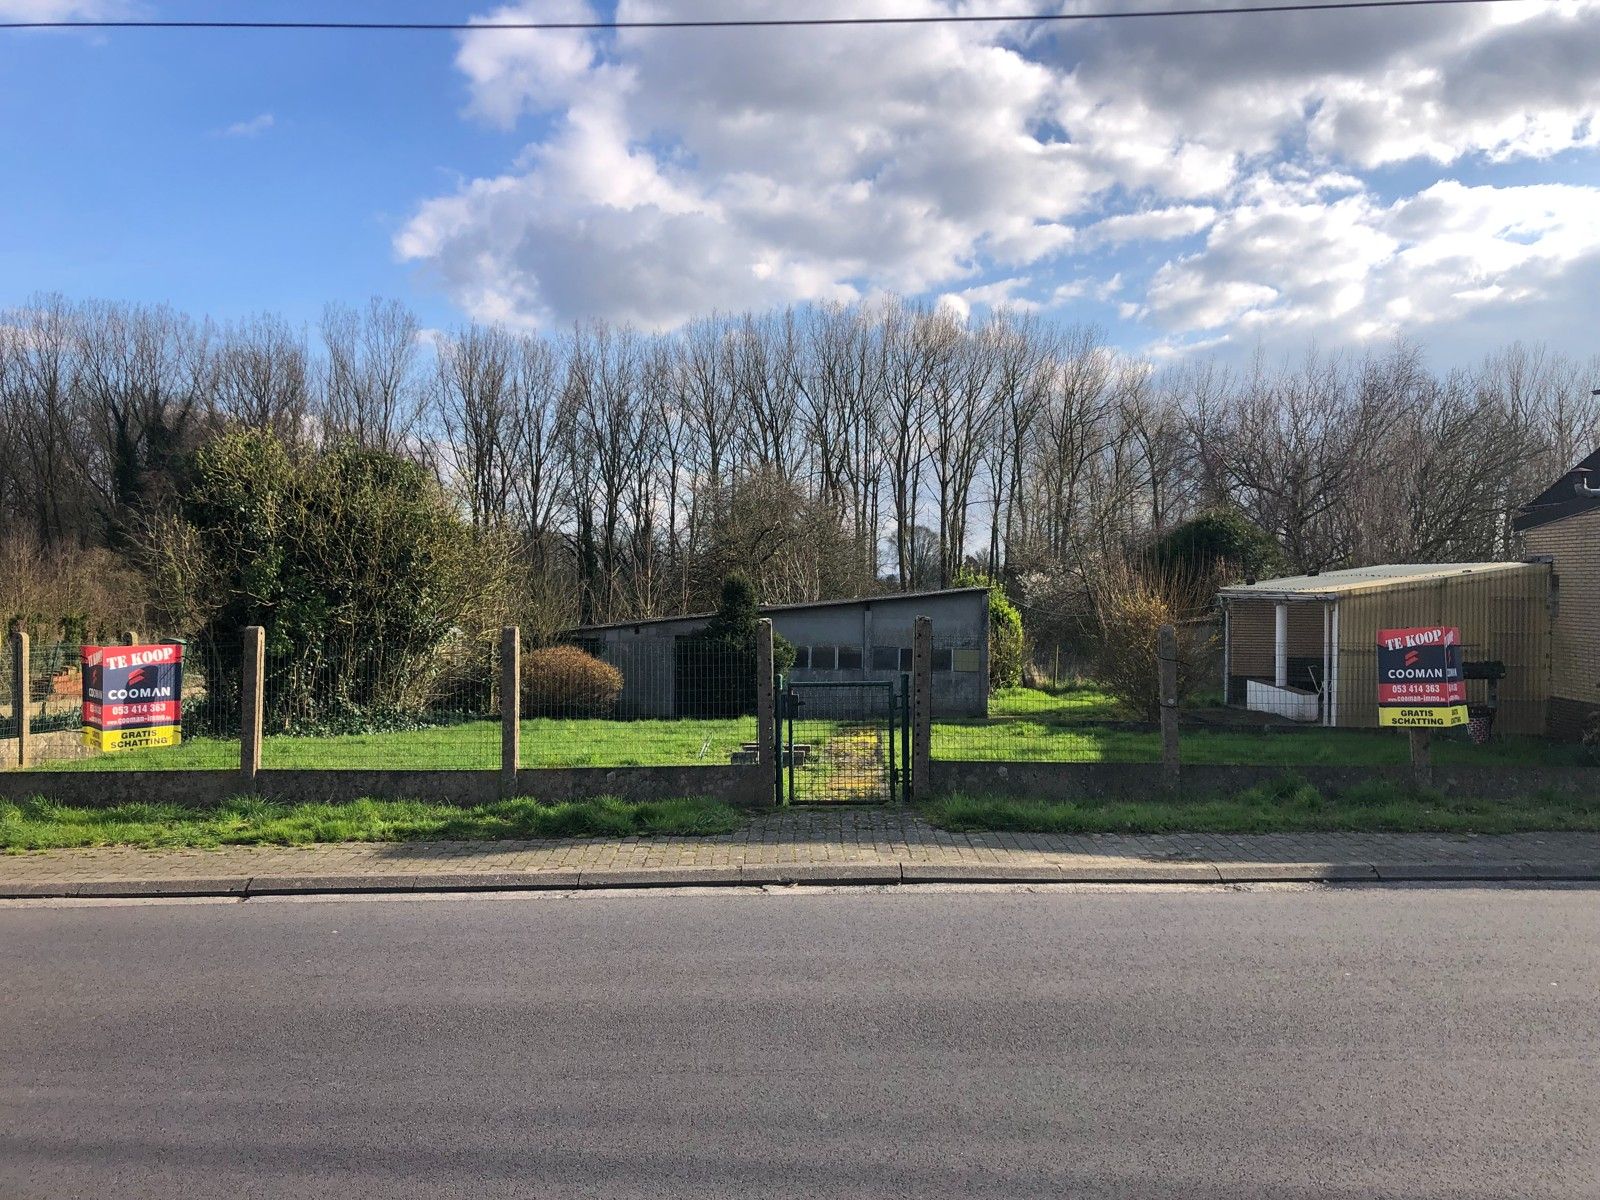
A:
<point x="848" y="845"/>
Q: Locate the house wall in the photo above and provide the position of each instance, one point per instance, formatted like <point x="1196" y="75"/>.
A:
<point x="1503" y="614"/>
<point x="1574" y="544"/>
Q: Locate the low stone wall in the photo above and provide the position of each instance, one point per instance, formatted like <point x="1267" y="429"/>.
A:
<point x="57" y="746"/>
<point x="747" y="786"/>
<point x="105" y="788"/>
<point x="1048" y="781"/>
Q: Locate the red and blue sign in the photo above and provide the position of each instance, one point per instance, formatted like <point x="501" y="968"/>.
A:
<point x="132" y="696"/>
<point x="1420" y="680"/>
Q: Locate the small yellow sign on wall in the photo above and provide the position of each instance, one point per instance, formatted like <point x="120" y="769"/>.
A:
<point x="1433" y="716"/>
<point x="133" y="739"/>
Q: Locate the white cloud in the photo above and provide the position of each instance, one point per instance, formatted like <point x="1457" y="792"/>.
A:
<point x="670" y="172"/>
<point x="682" y="173"/>
<point x="1154" y="225"/>
<point x="1359" y="268"/>
<point x="253" y="127"/>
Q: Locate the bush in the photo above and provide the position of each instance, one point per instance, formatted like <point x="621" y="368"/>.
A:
<point x="716" y="667"/>
<point x="354" y="561"/>
<point x="1006" y="644"/>
<point x="67" y="593"/>
<point x="1222" y="544"/>
<point x="563" y="681"/>
<point x="1131" y="605"/>
<point x="1591" y="740"/>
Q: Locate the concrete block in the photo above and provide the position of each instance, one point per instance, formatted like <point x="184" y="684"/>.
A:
<point x="234" y="886"/>
<point x="1142" y="872"/>
<point x="822" y="873"/>
<point x="1560" y="870"/>
<point x="1398" y="872"/>
<point x="498" y="881"/>
<point x="285" y="885"/>
<point x="660" y="877"/>
<point x="979" y="873"/>
<point x="1294" y="872"/>
<point x="29" y="891"/>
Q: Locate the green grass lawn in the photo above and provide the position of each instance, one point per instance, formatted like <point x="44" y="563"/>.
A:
<point x="473" y="745"/>
<point x="1288" y="805"/>
<point x="550" y="742"/>
<point x="1025" y="725"/>
<point x="40" y="824"/>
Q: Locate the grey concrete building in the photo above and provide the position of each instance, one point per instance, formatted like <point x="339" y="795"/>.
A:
<point x="860" y="639"/>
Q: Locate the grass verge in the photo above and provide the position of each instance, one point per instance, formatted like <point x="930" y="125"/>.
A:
<point x="40" y="824"/>
<point x="1287" y="805"/>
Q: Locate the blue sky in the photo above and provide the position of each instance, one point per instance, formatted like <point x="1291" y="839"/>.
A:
<point x="118" y="178"/>
<point x="1207" y="185"/>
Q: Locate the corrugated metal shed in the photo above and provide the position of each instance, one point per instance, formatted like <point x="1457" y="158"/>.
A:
<point x="1333" y="584"/>
<point x="1331" y="623"/>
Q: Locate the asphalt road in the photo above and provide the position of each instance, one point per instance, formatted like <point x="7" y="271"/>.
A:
<point x="1440" y="1043"/>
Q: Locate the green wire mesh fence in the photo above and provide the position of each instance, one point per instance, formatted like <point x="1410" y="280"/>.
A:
<point x="641" y="701"/>
<point x="382" y="706"/>
<point x="54" y="709"/>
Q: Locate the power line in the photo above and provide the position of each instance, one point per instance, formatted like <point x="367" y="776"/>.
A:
<point x="741" y="23"/>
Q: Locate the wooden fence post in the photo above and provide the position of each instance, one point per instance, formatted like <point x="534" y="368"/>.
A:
<point x="766" y="702"/>
<point x="252" y="697"/>
<point x="21" y="664"/>
<point x="1167" y="661"/>
<point x="921" y="706"/>
<point x="510" y="708"/>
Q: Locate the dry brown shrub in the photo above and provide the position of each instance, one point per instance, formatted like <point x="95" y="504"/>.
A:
<point x="1131" y="604"/>
<point x="68" y="593"/>
<point x="564" y="681"/>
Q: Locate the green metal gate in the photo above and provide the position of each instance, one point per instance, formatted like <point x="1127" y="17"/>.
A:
<point x="842" y="742"/>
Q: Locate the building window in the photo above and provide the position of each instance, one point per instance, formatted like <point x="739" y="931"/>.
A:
<point x="822" y="658"/>
<point x="941" y="659"/>
<point x="849" y="658"/>
<point x="802" y="658"/>
<point x="886" y="658"/>
<point x="966" y="660"/>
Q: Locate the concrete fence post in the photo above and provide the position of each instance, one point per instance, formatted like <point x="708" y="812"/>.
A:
<point x="21" y="664"/>
<point x="766" y="698"/>
<point x="1421" y="757"/>
<point x="1167" y="662"/>
<point x="921" y="706"/>
<point x="510" y="708"/>
<point x="252" y="702"/>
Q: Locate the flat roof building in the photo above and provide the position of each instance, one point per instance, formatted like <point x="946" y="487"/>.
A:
<point x="859" y="639"/>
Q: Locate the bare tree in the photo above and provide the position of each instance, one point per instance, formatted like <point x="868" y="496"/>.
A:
<point x="371" y="391"/>
<point x="961" y="411"/>
<point x="263" y="377"/>
<point x="144" y="377"/>
<point x="912" y="349"/>
<point x="476" y="402"/>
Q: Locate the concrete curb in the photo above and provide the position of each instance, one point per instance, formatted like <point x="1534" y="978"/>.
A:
<point x="818" y="874"/>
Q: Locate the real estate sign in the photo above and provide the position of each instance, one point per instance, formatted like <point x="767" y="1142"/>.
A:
<point x="132" y="696"/>
<point x="1420" y="682"/>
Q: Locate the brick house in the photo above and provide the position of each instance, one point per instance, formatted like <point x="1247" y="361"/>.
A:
<point x="1562" y="523"/>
